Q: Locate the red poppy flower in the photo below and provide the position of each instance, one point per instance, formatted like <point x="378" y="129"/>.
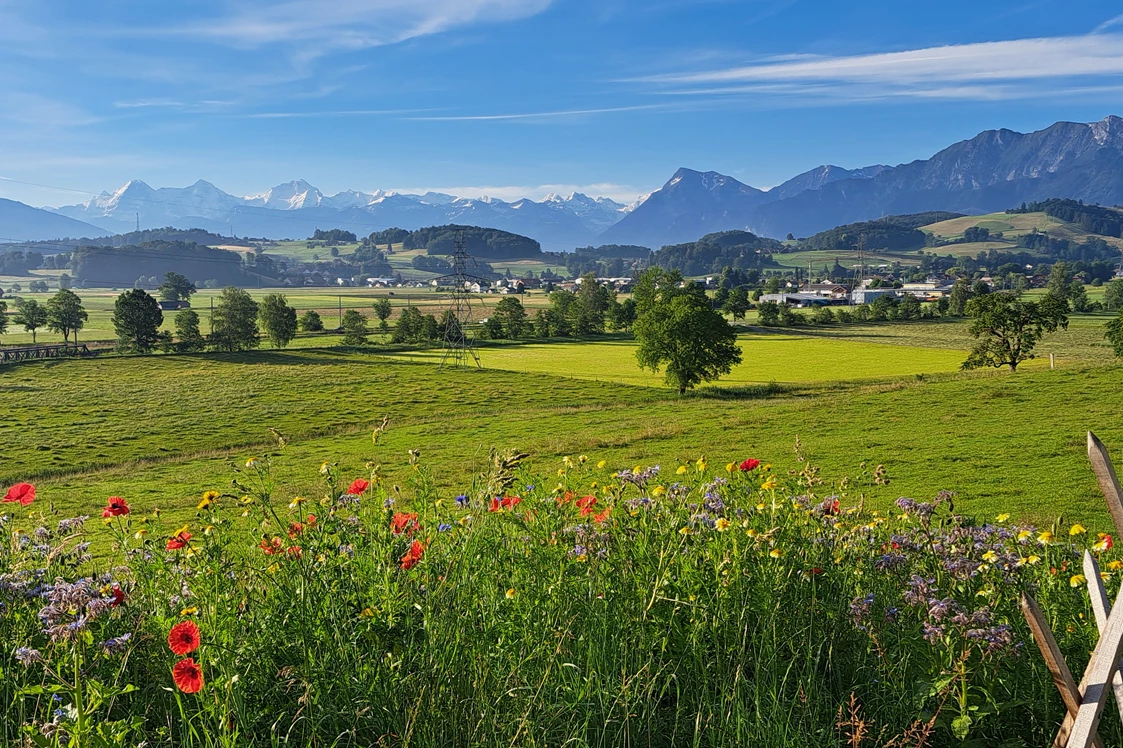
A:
<point x="179" y="541"/>
<point x="118" y="596"/>
<point x="183" y="638"/>
<point x="832" y="507"/>
<point x="188" y="676"/>
<point x="413" y="555"/>
<point x="115" y="508"/>
<point x="565" y="498"/>
<point x="311" y="520"/>
<point x="816" y="571"/>
<point x="599" y="518"/>
<point x="24" y="493"/>
<point x="507" y="502"/>
<point x="749" y="465"/>
<point x="270" y="548"/>
<point x="295" y="529"/>
<point x="403" y="522"/>
<point x="358" y="487"/>
<point x="294" y="551"/>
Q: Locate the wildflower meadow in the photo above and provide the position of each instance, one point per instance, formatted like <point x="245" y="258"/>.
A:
<point x="731" y="603"/>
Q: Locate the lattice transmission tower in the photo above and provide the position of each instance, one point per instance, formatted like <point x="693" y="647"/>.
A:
<point x="458" y="348"/>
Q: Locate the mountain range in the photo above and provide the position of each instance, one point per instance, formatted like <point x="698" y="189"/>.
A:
<point x="996" y="169"/>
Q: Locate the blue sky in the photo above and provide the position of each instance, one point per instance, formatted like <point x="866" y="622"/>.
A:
<point x="523" y="97"/>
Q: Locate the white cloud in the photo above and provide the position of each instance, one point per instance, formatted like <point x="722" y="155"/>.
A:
<point x="534" y="115"/>
<point x="986" y="70"/>
<point x="353" y="24"/>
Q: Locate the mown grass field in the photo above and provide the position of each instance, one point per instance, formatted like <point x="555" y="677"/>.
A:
<point x="767" y="357"/>
<point x="1013" y="225"/>
<point x="159" y="430"/>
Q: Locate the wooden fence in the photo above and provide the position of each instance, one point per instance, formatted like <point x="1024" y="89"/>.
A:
<point x="14" y="355"/>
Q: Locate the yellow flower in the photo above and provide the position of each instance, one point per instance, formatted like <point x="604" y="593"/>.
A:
<point x="325" y="468"/>
<point x="366" y="612"/>
<point x="659" y="491"/>
<point x="251" y="462"/>
<point x="990" y="556"/>
<point x="180" y="531"/>
<point x="208" y="529"/>
<point x="1045" y="537"/>
<point x="204" y="503"/>
<point x="760" y="507"/>
<point x="684" y="531"/>
<point x="701" y="463"/>
<point x="722" y="524"/>
<point x="582" y="558"/>
<point x="1103" y="543"/>
<point x="681" y="470"/>
<point x="593" y="484"/>
<point x="751" y="533"/>
<point x="140" y="534"/>
<point x="192" y="611"/>
<point x="1115" y="565"/>
<point x="1077" y="529"/>
<point x="1105" y="576"/>
<point x="465" y="520"/>
<point x="767" y="467"/>
<point x="1002" y="517"/>
<point x="775" y="553"/>
<point x="1032" y="560"/>
<point x="567" y="461"/>
<point x="730" y="467"/>
<point x="511" y="593"/>
<point x="583" y="459"/>
<point x="1076" y="580"/>
<point x="1024" y="534"/>
<point x="297" y="501"/>
<point x="984" y="593"/>
<point x="768" y="485"/>
<point x="601" y="464"/>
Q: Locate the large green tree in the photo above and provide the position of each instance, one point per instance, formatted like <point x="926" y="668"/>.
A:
<point x="511" y="317"/>
<point x="32" y="315"/>
<point x="65" y="314"/>
<point x="234" y="326"/>
<point x="278" y="319"/>
<point x="187" y="330"/>
<point x="176" y="287"/>
<point x="136" y="320"/>
<point x="1008" y="329"/>
<point x="736" y="303"/>
<point x="355" y="329"/>
<point x="677" y="330"/>
<point x="1113" y="296"/>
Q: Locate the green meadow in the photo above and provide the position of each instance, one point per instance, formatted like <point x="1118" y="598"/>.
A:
<point x="161" y="429"/>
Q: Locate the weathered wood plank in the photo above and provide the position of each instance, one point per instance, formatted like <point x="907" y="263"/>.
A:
<point x="1100" y="608"/>
<point x="1093" y="686"/>
<point x="1054" y="660"/>
<point x="1109" y="482"/>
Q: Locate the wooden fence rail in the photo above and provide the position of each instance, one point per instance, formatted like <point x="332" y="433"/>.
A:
<point x="13" y="355"/>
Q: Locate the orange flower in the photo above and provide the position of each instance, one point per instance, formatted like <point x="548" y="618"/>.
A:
<point x="116" y="507"/>
<point x="270" y="548"/>
<point x="24" y="493"/>
<point x="507" y="502"/>
<point x="586" y="504"/>
<point x="294" y="551"/>
<point x="413" y="555"/>
<point x="183" y="638"/>
<point x="565" y="498"/>
<point x="601" y="517"/>
<point x="179" y="540"/>
<point x="403" y="522"/>
<point x="188" y="676"/>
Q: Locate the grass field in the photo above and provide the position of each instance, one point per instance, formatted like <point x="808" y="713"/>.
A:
<point x="767" y="357"/>
<point x="158" y="430"/>
<point x="1013" y="225"/>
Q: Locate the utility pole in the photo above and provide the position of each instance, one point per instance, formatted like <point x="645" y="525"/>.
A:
<point x="340" y="298"/>
<point x="211" y="323"/>
<point x="138" y="222"/>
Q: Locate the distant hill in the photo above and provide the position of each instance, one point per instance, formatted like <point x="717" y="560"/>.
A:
<point x="737" y="249"/>
<point x="893" y="233"/>
<point x="19" y="222"/>
<point x="491" y="244"/>
<point x="121" y="266"/>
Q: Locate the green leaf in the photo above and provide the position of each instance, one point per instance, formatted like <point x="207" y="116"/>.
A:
<point x="961" y="725"/>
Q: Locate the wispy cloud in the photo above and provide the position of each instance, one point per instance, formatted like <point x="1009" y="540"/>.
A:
<point x="987" y="70"/>
<point x="1109" y="23"/>
<point x="534" y="115"/>
<point x="351" y="24"/>
<point x="340" y="113"/>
